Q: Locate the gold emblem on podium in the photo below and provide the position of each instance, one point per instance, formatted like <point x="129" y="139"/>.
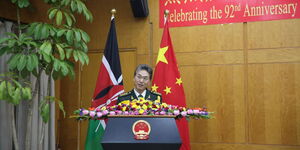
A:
<point x="141" y="130"/>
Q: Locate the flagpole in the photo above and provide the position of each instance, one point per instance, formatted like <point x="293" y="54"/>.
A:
<point x="166" y="15"/>
<point x="113" y="12"/>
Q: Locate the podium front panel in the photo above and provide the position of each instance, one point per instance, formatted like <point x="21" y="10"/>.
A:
<point x="163" y="136"/>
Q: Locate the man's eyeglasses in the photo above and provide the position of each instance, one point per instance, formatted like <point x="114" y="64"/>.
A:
<point x="139" y="77"/>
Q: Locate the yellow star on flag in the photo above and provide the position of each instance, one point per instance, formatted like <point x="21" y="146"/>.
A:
<point x="161" y="55"/>
<point x="154" y="88"/>
<point x="167" y="90"/>
<point x="178" y="81"/>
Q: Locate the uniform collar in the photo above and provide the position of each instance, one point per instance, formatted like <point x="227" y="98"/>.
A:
<point x="137" y="93"/>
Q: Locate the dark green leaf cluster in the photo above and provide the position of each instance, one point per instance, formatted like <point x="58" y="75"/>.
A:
<point x="51" y="47"/>
<point x="21" y="3"/>
<point x="24" y="58"/>
<point x="45" y="107"/>
<point x="13" y="91"/>
<point x="66" y="8"/>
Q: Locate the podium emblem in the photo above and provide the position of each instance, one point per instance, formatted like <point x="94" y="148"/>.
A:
<point x="141" y="130"/>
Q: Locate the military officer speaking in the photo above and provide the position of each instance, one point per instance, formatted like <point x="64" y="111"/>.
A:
<point x="142" y="78"/>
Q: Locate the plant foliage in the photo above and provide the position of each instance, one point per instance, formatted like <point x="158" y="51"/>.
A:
<point x="50" y="47"/>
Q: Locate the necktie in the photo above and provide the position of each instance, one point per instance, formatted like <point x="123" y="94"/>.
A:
<point x="140" y="96"/>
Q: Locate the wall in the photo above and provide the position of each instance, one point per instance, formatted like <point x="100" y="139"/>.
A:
<point x="247" y="73"/>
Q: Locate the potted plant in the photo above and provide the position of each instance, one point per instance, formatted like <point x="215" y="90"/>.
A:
<point x="40" y="47"/>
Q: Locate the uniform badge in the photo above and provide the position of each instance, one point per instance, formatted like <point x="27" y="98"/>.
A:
<point x="141" y="130"/>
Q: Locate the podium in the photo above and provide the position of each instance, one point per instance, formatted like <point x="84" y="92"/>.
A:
<point x="119" y="134"/>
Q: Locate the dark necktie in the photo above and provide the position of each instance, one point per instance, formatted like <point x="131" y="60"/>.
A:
<point x="140" y="96"/>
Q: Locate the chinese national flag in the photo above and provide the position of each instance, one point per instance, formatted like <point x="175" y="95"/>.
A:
<point x="167" y="81"/>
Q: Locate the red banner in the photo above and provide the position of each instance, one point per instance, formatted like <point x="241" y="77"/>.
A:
<point x="204" y="12"/>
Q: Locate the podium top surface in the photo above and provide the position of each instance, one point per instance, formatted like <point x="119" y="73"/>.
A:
<point x="141" y="116"/>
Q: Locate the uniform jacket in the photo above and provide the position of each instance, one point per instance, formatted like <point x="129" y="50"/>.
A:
<point x="150" y="95"/>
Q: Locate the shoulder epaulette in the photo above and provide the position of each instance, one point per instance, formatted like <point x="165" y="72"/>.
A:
<point x="125" y="93"/>
<point x="156" y="93"/>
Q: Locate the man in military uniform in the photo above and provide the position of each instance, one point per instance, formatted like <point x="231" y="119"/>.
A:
<point x="142" y="78"/>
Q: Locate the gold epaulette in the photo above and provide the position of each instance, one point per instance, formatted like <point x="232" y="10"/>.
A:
<point x="125" y="93"/>
<point x="156" y="93"/>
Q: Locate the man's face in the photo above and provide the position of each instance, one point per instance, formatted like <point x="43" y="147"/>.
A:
<point x="141" y="80"/>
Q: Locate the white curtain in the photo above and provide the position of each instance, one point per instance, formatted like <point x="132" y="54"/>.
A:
<point x="42" y="136"/>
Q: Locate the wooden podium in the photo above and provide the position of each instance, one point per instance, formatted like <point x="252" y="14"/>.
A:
<point x="119" y="134"/>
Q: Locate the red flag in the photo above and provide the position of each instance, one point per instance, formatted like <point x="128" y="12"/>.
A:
<point x="108" y="87"/>
<point x="167" y="81"/>
<point x="110" y="81"/>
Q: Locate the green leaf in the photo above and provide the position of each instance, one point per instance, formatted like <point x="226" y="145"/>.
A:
<point x="10" y="89"/>
<point x="61" y="52"/>
<point x="45" y="110"/>
<point x="67" y="2"/>
<point x="70" y="36"/>
<point x="61" y="32"/>
<point x="12" y="35"/>
<point x="88" y="15"/>
<point x="26" y="3"/>
<point x="64" y="69"/>
<point x="84" y="46"/>
<point x="73" y="17"/>
<point x="21" y="37"/>
<point x="3" y="50"/>
<point x="58" y="18"/>
<point x="17" y="83"/>
<point x="13" y="61"/>
<point x="35" y="60"/>
<point x="11" y="43"/>
<point x="56" y="65"/>
<point x="86" y="58"/>
<point x="73" y="6"/>
<point x="68" y="53"/>
<point x="46" y="57"/>
<point x="2" y="90"/>
<point x="36" y="31"/>
<point x="31" y="28"/>
<point x="44" y="31"/>
<point x="68" y="18"/>
<point x="85" y="36"/>
<point x="79" y="7"/>
<point x="52" y="29"/>
<point x="52" y="13"/>
<point x="77" y="35"/>
<point x="2" y="40"/>
<point x="23" y="3"/>
<point x="61" y="107"/>
<point x="46" y="47"/>
<point x="75" y="55"/>
<point x="22" y="62"/>
<point x="29" y="65"/>
<point x="16" y="98"/>
<point x="81" y="57"/>
<point x="70" y="65"/>
<point x="26" y="93"/>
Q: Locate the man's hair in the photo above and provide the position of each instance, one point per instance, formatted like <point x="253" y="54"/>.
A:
<point x="144" y="67"/>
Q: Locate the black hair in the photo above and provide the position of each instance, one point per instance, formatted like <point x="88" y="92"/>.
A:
<point x="144" y="67"/>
